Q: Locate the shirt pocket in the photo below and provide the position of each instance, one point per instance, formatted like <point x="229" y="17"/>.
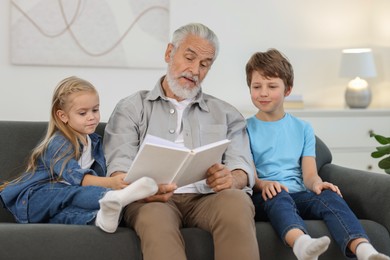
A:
<point x="212" y="133"/>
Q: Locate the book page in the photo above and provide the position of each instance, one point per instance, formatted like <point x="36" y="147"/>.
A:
<point x="158" y="141"/>
<point x="199" y="161"/>
<point x="167" y="162"/>
<point x="157" y="162"/>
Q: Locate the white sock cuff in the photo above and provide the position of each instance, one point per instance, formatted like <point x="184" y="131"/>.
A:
<point x="364" y="250"/>
<point x="302" y="239"/>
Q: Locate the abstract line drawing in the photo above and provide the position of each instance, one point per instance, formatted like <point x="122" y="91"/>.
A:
<point x="92" y="33"/>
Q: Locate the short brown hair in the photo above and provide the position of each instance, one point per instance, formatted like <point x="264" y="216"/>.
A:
<point x="270" y="64"/>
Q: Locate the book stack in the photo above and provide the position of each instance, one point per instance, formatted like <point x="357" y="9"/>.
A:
<point x="293" y="102"/>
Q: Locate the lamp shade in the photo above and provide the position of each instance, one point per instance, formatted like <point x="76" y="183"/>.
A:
<point x="357" y="63"/>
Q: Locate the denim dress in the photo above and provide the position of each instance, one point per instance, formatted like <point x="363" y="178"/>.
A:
<point x="40" y="197"/>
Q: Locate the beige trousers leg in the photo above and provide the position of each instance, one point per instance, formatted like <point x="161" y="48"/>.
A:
<point x="227" y="215"/>
<point x="158" y="226"/>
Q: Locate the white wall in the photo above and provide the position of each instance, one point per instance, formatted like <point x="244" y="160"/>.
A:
<point x="311" y="33"/>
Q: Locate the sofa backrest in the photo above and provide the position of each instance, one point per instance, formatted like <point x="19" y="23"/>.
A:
<point x="18" y="138"/>
<point x="323" y="154"/>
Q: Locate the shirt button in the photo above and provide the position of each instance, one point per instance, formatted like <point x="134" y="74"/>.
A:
<point x="171" y="111"/>
<point x="171" y="131"/>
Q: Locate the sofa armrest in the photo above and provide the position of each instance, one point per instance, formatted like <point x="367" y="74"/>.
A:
<point x="366" y="193"/>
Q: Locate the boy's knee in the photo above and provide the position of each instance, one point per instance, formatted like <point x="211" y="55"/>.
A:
<point x="329" y="196"/>
<point x="281" y="196"/>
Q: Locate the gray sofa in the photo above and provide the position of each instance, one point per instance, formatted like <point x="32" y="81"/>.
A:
<point x="366" y="193"/>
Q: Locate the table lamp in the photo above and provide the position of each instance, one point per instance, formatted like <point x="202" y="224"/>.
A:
<point x="357" y="64"/>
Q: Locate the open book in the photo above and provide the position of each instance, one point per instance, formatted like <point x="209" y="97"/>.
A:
<point x="167" y="162"/>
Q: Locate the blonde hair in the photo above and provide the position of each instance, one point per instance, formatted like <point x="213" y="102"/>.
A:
<point x="60" y="100"/>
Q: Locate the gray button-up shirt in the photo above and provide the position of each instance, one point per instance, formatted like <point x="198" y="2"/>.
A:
<point x="206" y="120"/>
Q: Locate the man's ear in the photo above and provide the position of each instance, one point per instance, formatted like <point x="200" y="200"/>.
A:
<point x="168" y="52"/>
<point x="62" y="116"/>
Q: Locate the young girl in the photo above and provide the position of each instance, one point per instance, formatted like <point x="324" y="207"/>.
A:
<point x="288" y="188"/>
<point x="65" y="180"/>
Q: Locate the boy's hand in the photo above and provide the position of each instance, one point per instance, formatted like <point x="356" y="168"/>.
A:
<point x="269" y="189"/>
<point x="318" y="187"/>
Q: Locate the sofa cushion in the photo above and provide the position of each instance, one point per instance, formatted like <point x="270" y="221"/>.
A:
<point x="57" y="241"/>
<point x="48" y="241"/>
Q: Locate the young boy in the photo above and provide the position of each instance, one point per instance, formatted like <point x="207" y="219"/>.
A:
<point x="288" y="188"/>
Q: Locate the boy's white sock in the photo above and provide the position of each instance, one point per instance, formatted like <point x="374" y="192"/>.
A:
<point x="114" y="201"/>
<point x="365" y="251"/>
<point x="307" y="248"/>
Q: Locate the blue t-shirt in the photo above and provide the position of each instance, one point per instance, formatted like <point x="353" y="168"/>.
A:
<point x="277" y="148"/>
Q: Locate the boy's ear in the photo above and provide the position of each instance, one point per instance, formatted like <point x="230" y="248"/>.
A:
<point x="288" y="91"/>
<point x="62" y="116"/>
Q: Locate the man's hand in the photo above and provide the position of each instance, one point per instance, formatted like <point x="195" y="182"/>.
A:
<point x="218" y="177"/>
<point x="164" y="193"/>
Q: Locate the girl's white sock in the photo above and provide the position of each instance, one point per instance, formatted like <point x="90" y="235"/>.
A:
<point x="114" y="201"/>
<point x="365" y="251"/>
<point x="307" y="248"/>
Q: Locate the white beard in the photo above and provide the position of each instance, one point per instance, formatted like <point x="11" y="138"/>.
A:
<point x="184" y="92"/>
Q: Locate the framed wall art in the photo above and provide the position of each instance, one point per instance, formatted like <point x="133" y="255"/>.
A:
<point x="98" y="33"/>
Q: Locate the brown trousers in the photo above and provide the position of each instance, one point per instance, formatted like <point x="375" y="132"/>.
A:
<point x="228" y="215"/>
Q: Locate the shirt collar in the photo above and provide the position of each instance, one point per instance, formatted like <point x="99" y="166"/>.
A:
<point x="93" y="139"/>
<point x="157" y="92"/>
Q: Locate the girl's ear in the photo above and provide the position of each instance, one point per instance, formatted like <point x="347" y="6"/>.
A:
<point x="62" y="116"/>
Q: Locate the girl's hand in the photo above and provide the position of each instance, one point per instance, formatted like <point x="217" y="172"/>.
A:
<point x="269" y="189"/>
<point x="318" y="187"/>
<point x="116" y="182"/>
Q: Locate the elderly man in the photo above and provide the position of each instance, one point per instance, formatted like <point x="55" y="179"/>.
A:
<point x="177" y="110"/>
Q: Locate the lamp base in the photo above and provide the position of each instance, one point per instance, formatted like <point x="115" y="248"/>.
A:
<point x="358" y="98"/>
